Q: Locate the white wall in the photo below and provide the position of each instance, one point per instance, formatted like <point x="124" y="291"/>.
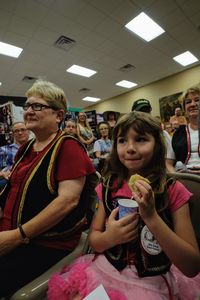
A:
<point x="164" y="87"/>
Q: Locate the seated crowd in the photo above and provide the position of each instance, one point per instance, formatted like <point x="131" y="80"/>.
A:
<point x="48" y="183"/>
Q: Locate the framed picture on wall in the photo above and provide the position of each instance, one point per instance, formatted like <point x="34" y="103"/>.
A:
<point x="168" y="105"/>
<point x="6" y="121"/>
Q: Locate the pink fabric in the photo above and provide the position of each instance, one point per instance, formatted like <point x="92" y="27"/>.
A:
<point x="178" y="195"/>
<point x="189" y="288"/>
<point x="126" y="283"/>
<point x="85" y="275"/>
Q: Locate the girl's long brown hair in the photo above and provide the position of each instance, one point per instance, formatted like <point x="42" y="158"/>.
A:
<point x="142" y="123"/>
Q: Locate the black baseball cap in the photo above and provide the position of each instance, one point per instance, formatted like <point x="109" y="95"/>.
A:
<point x="142" y="105"/>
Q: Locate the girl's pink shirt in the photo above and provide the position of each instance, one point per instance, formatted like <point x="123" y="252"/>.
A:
<point x="178" y="194"/>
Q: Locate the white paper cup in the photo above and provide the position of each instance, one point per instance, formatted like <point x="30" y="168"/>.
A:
<point x="127" y="206"/>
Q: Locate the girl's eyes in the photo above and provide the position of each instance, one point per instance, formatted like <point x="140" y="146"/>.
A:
<point x="141" y="139"/>
<point x="120" y="140"/>
<point x="138" y="139"/>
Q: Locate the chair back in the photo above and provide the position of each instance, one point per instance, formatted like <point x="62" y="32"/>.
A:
<point x="192" y="183"/>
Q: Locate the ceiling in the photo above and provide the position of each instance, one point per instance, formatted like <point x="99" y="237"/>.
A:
<point x="101" y="43"/>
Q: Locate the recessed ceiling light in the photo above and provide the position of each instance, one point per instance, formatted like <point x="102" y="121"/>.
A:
<point x="126" y="84"/>
<point x="0" y="83"/>
<point x="185" y="58"/>
<point x="145" y="27"/>
<point x="91" y="99"/>
<point x="81" y="71"/>
<point x="10" y="50"/>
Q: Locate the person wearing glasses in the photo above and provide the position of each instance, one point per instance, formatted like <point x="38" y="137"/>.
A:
<point x="8" y="152"/>
<point x="44" y="205"/>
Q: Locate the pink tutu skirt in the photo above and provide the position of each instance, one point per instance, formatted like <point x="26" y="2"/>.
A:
<point x="88" y="272"/>
<point x="189" y="288"/>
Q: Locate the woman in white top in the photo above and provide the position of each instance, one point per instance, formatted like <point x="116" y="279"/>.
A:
<point x="185" y="141"/>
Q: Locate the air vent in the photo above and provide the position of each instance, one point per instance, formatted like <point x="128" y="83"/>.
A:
<point x="127" y="68"/>
<point x="64" y="43"/>
<point x="84" y="90"/>
<point x="29" y="79"/>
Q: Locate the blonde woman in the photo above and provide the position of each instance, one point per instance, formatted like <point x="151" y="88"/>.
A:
<point x="85" y="133"/>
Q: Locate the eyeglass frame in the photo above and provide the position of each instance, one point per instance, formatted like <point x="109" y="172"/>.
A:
<point x="37" y="105"/>
<point x="16" y="131"/>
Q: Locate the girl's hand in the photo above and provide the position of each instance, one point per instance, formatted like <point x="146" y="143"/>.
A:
<point x="123" y="230"/>
<point x="145" y="199"/>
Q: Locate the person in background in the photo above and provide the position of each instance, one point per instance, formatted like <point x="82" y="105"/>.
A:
<point x="142" y="105"/>
<point x="133" y="255"/>
<point x="8" y="152"/>
<point x="70" y="127"/>
<point x="111" y="118"/>
<point x="43" y="207"/>
<point x="185" y="141"/>
<point x="85" y="133"/>
<point x="102" y="146"/>
<point x="178" y="118"/>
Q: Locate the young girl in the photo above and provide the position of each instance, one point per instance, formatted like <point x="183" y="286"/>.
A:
<point x="133" y="255"/>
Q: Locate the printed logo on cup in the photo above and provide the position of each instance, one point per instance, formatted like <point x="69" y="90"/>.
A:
<point x="127" y="206"/>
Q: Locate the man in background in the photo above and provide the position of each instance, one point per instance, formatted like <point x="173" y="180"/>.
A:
<point x="8" y="152"/>
<point x="142" y="105"/>
<point x="178" y="119"/>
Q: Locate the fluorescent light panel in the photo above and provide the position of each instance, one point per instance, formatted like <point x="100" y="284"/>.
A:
<point x="145" y="27"/>
<point x="91" y="99"/>
<point x="126" y="84"/>
<point x="10" y="50"/>
<point x="78" y="70"/>
<point x="185" y="58"/>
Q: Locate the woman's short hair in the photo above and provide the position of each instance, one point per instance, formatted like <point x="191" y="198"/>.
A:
<point x="50" y="92"/>
<point x="192" y="90"/>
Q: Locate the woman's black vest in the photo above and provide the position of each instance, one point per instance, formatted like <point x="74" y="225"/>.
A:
<point x="40" y="188"/>
<point x="133" y="253"/>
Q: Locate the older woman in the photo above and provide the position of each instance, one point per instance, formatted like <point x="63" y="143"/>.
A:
<point x="185" y="141"/>
<point x="44" y="205"/>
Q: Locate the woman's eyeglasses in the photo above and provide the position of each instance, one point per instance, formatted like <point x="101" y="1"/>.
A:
<point x="22" y="130"/>
<point x="36" y="106"/>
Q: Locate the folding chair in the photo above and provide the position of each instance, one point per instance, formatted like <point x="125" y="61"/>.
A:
<point x="192" y="183"/>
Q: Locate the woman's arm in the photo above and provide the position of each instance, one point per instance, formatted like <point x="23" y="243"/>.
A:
<point x="68" y="197"/>
<point x="114" y="232"/>
<point x="84" y="141"/>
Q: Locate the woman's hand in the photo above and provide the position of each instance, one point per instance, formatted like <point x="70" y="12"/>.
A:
<point x="145" y="199"/>
<point x="9" y="240"/>
<point x="123" y="230"/>
<point x="5" y="174"/>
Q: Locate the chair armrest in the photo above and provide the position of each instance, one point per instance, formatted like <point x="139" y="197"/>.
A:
<point x="36" y="289"/>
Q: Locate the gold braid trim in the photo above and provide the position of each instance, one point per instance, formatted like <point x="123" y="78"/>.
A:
<point x="57" y="140"/>
<point x="52" y="160"/>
